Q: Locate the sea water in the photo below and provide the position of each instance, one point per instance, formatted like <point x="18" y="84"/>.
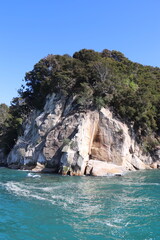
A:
<point x="45" y="207"/>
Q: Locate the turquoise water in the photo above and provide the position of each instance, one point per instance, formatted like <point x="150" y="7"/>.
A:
<point x="44" y="207"/>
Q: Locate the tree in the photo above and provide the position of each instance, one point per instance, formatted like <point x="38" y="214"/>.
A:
<point x="4" y="112"/>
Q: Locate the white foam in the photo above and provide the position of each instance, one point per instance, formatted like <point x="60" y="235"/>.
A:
<point x="52" y="195"/>
<point x="33" y="175"/>
<point x="21" y="190"/>
<point x="115" y="223"/>
<point x="141" y="184"/>
<point x="17" y="188"/>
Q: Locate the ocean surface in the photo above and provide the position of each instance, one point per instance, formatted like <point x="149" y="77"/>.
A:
<point x="45" y="207"/>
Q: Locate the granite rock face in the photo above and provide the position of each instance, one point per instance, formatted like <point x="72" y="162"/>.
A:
<point x="63" y="140"/>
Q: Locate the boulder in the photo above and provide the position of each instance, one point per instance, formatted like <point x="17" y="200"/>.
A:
<point x="101" y="168"/>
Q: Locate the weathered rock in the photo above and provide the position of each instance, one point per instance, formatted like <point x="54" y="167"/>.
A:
<point x="157" y="153"/>
<point x="101" y="168"/>
<point x="154" y="165"/>
<point x="61" y="139"/>
<point x="14" y="166"/>
<point x="38" y="168"/>
<point x="3" y="159"/>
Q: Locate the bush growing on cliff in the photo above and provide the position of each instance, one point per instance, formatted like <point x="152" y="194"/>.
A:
<point x="10" y="125"/>
<point x="97" y="79"/>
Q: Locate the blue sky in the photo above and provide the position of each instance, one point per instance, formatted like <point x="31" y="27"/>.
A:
<point x="32" y="29"/>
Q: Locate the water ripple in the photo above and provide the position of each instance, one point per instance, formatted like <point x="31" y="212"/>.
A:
<point x="81" y="207"/>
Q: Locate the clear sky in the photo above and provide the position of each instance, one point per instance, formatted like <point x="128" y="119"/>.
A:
<point x="32" y="29"/>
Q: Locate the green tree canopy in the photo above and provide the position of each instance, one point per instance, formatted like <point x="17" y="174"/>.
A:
<point x="95" y="79"/>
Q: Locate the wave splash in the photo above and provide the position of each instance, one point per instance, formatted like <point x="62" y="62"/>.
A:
<point x="33" y="175"/>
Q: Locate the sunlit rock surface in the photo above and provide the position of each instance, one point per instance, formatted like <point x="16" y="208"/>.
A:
<point x="62" y="140"/>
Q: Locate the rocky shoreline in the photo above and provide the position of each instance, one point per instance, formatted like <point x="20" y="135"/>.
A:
<point x="62" y="140"/>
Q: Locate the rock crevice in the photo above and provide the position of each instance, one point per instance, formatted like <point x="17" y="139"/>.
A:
<point x="63" y="140"/>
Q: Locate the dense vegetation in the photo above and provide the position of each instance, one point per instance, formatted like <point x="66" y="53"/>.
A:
<point x="95" y="79"/>
<point x="10" y="125"/>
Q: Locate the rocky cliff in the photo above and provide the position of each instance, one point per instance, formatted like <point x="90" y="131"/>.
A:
<point x="63" y="140"/>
